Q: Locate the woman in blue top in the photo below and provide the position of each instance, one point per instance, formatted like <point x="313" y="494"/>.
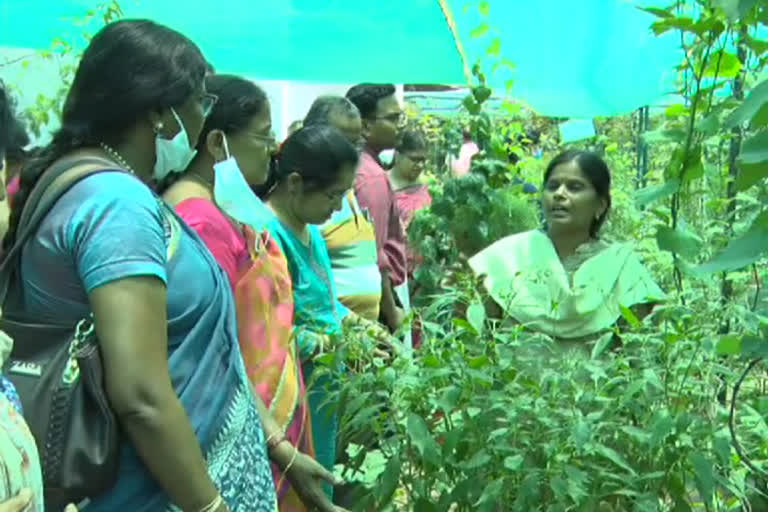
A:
<point x="162" y="308"/>
<point x="313" y="172"/>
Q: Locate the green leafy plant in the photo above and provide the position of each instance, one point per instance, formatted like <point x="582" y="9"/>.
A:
<point x="65" y="52"/>
<point x="487" y="416"/>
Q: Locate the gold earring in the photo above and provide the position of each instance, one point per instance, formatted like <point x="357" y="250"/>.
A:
<point x="158" y="127"/>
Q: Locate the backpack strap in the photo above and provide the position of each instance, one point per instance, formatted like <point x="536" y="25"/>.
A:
<point x="52" y="184"/>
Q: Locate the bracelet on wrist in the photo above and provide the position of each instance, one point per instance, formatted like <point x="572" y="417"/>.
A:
<point x="275" y="440"/>
<point x="214" y="505"/>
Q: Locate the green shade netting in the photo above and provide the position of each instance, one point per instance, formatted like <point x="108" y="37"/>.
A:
<point x="574" y="59"/>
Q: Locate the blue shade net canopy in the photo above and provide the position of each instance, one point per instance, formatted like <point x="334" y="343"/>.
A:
<point x="571" y="59"/>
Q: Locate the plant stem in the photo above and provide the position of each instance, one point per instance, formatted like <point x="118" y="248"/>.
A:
<point x="726" y="290"/>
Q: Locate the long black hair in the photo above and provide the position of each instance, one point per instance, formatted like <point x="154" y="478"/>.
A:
<point x="317" y="153"/>
<point x="7" y="120"/>
<point x="130" y="68"/>
<point x="595" y="170"/>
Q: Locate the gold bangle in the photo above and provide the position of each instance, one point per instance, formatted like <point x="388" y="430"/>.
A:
<point x="214" y="505"/>
<point x="284" y="472"/>
<point x="274" y="440"/>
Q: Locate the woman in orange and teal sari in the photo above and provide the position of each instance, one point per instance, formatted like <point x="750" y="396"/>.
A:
<point x="214" y="197"/>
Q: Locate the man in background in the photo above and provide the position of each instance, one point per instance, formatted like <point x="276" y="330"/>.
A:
<point x="382" y="119"/>
<point x="349" y="233"/>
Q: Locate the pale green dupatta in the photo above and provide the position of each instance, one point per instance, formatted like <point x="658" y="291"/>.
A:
<point x="579" y="297"/>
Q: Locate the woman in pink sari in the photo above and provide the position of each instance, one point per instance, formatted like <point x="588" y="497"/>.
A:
<point x="411" y="195"/>
<point x="214" y="197"/>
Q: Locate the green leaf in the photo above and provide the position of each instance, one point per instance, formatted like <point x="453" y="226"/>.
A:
<point x="507" y="63"/>
<point x="581" y="433"/>
<point x="602" y="343"/>
<point x="660" y="13"/>
<point x="755" y="149"/>
<point x="462" y="324"/>
<point x="491" y="496"/>
<point x="577" y="483"/>
<point x="710" y="24"/>
<point x="760" y="120"/>
<point x="484" y="8"/>
<point x="422" y="505"/>
<point x="755" y="101"/>
<point x="680" y="241"/>
<point x="472" y="106"/>
<point x="670" y="23"/>
<point x="494" y="48"/>
<point x="676" y="110"/>
<point x="705" y="478"/>
<point x="476" y="316"/>
<point x="559" y="487"/>
<point x="630" y="317"/>
<point x="750" y="174"/>
<point x="449" y="399"/>
<point x="723" y="64"/>
<point x="740" y="252"/>
<point x="479" y="31"/>
<point x="734" y="9"/>
<point x="675" y="165"/>
<point x="390" y="480"/>
<point x="639" y="435"/>
<point x="758" y="46"/>
<point x="661" y="427"/>
<point x="693" y="168"/>
<point x="753" y="346"/>
<point x="514" y="462"/>
<point x="709" y="125"/>
<point x="478" y="362"/>
<point x="481" y="93"/>
<point x="728" y="345"/>
<point x="478" y="460"/>
<point x="421" y="438"/>
<point x="664" y="135"/>
<point x="614" y="457"/>
<point x="647" y="195"/>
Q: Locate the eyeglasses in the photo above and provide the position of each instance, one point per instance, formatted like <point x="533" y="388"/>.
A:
<point x="207" y="102"/>
<point x="396" y="117"/>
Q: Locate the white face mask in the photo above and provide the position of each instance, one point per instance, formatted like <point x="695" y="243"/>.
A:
<point x="173" y="155"/>
<point x="387" y="156"/>
<point x="234" y="196"/>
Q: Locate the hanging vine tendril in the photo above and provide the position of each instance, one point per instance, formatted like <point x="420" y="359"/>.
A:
<point x="732" y="419"/>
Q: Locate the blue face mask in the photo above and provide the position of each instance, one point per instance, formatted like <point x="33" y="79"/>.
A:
<point x="234" y="196"/>
<point x="173" y="155"/>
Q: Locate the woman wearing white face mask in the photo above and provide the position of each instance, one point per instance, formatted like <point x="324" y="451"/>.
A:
<point x="214" y="197"/>
<point x="163" y="313"/>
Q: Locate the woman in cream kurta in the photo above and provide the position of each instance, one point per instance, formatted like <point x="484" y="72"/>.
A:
<point x="565" y="281"/>
<point x="579" y="296"/>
